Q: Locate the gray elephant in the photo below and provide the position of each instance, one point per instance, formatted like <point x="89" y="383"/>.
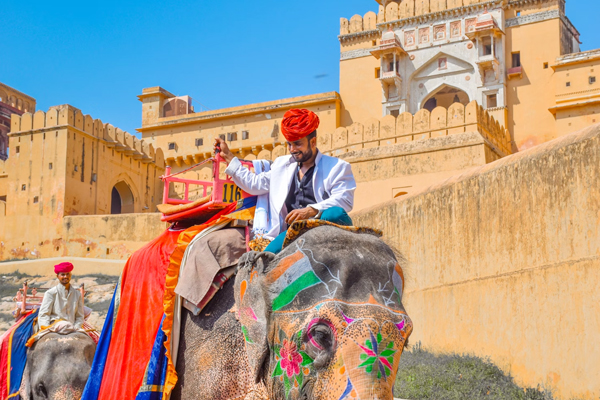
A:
<point x="58" y="367"/>
<point x="321" y="320"/>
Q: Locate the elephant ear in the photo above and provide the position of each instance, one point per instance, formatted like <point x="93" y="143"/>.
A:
<point x="253" y="307"/>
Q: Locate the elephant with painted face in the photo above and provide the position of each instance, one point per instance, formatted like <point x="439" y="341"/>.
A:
<point x="58" y="367"/>
<point x="321" y="320"/>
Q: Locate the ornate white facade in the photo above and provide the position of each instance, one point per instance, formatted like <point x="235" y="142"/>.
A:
<point x="444" y="61"/>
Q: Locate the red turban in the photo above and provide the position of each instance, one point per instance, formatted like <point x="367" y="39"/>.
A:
<point x="298" y="124"/>
<point x="63" y="267"/>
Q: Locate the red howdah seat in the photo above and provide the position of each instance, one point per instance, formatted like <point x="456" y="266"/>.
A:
<point x="216" y="195"/>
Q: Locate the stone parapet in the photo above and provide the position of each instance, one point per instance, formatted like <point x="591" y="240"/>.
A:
<point x="68" y="116"/>
<point x="576" y="58"/>
<point x="16" y="99"/>
<point x="421" y="126"/>
<point x="409" y="11"/>
<point x="396" y="14"/>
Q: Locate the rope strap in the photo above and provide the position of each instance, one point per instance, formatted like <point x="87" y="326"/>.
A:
<point x="187" y="169"/>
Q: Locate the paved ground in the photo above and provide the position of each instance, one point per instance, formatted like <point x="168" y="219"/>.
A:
<point x="99" y="290"/>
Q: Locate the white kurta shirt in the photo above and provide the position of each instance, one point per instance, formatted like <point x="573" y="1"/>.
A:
<point x="333" y="185"/>
<point x="60" y="304"/>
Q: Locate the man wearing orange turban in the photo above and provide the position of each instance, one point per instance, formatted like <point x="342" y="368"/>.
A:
<point x="302" y="185"/>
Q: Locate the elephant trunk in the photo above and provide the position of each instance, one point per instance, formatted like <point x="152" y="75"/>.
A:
<point x="67" y="392"/>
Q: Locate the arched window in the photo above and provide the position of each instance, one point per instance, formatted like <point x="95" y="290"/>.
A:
<point x="122" y="201"/>
<point x="445" y="96"/>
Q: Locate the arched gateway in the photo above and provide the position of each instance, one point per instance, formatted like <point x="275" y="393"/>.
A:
<point x="122" y="200"/>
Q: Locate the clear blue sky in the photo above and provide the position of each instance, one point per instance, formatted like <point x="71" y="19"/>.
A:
<point x="98" y="56"/>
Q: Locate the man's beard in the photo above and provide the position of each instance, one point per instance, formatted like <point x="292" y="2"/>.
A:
<point x="305" y="156"/>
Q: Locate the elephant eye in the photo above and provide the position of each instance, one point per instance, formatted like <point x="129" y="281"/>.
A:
<point x="322" y="336"/>
<point x="41" y="390"/>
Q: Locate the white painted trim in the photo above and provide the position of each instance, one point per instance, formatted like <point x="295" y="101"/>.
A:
<point x="351" y="54"/>
<point x="532" y="18"/>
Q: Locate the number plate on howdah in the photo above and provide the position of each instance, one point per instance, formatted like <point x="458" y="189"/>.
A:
<point x="230" y="192"/>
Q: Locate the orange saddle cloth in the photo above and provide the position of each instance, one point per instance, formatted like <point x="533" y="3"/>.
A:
<point x="170" y="209"/>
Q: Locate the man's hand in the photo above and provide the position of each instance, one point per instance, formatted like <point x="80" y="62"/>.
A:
<point x="301" y="214"/>
<point x="225" y="152"/>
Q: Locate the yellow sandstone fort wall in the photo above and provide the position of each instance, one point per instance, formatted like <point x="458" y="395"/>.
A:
<point x="110" y="236"/>
<point x="505" y="262"/>
<point x="106" y="237"/>
<point x="3" y="181"/>
<point x="530" y="95"/>
<point x="85" y="158"/>
<point x="390" y="157"/>
<point x="577" y="91"/>
<point x="65" y="163"/>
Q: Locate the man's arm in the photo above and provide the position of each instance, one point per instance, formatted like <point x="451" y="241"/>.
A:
<point x="254" y="184"/>
<point x="79" y="313"/>
<point x="342" y="192"/>
<point x="45" y="310"/>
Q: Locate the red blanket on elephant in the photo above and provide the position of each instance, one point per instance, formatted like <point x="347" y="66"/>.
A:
<point x="138" y="317"/>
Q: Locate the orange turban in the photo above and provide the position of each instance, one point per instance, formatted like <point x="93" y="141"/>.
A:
<point x="298" y="124"/>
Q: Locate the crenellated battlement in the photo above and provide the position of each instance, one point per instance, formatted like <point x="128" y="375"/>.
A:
<point x="16" y="99"/>
<point x="68" y="116"/>
<point x="424" y="10"/>
<point x="423" y="125"/>
<point x="388" y="131"/>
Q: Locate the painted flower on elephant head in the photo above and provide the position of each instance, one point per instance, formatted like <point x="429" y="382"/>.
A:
<point x="290" y="358"/>
<point x="377" y="358"/>
<point x="292" y="362"/>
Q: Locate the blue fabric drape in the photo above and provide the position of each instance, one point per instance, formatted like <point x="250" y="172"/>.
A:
<point x="154" y="379"/>
<point x="92" y="387"/>
<point x="18" y="356"/>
